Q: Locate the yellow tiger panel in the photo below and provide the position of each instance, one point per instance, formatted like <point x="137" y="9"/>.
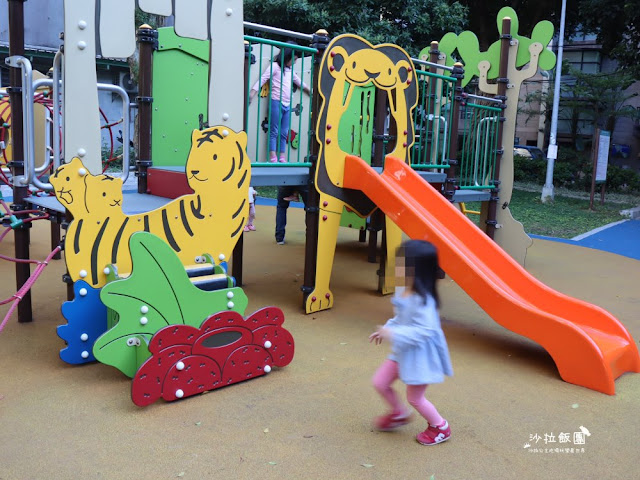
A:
<point x="208" y="221"/>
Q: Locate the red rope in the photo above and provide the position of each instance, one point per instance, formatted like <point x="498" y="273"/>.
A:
<point x="19" y="295"/>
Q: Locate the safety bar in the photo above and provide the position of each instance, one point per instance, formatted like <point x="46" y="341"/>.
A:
<point x="431" y="64"/>
<point x="28" y="87"/>
<point x="278" y="31"/>
<point x="480" y="97"/>
<point x="17" y="61"/>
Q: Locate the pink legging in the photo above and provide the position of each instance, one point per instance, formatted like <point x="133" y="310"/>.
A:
<point x="382" y="380"/>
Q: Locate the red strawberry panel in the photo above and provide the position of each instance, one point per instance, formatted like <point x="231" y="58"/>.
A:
<point x="192" y="375"/>
<point x="148" y="380"/>
<point x="219" y="343"/>
<point x="277" y="341"/>
<point x="265" y="316"/>
<point x="173" y="335"/>
<point x="246" y="362"/>
<point x="227" y="318"/>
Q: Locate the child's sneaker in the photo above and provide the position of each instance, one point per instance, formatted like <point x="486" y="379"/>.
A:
<point x="251" y="227"/>
<point x="246" y="228"/>
<point x="390" y="422"/>
<point x="292" y="198"/>
<point x="433" y="435"/>
<point x="282" y="160"/>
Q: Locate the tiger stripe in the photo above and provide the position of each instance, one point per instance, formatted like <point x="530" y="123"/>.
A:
<point x="76" y="240"/>
<point x="185" y="221"/>
<point x="94" y="252"/>
<point x="167" y="231"/>
<point x="116" y="242"/>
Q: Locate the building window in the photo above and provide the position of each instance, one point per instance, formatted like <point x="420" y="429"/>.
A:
<point x="587" y="61"/>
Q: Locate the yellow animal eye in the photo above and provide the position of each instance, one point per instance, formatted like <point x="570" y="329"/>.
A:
<point x="389" y="71"/>
<point x="354" y="64"/>
<point x="104" y="194"/>
<point x="215" y="156"/>
<point x="68" y="179"/>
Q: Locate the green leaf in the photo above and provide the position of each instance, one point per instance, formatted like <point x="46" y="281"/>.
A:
<point x="156" y="294"/>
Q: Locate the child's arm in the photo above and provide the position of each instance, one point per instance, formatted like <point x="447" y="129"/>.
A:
<point x="266" y="75"/>
<point x="424" y="323"/>
<point x="301" y="84"/>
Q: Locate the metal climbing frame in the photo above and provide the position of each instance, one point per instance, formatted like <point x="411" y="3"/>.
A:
<point x="259" y="115"/>
<point x="432" y="119"/>
<point x="480" y="123"/>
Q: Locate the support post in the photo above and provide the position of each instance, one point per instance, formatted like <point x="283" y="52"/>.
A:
<point x="505" y="43"/>
<point x="21" y="234"/>
<point x="238" y="250"/>
<point x="377" y="217"/>
<point x="452" y="181"/>
<point x="148" y="42"/>
<point x="312" y="208"/>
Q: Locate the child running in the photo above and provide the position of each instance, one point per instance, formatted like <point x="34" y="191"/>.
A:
<point x="420" y="355"/>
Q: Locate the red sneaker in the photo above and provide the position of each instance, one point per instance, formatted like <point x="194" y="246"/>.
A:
<point x="434" y="435"/>
<point x="392" y="421"/>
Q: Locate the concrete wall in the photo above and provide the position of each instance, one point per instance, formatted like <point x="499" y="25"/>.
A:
<point x="43" y="21"/>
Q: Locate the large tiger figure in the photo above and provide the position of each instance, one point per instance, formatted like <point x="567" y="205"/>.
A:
<point x="210" y="220"/>
<point x="351" y="61"/>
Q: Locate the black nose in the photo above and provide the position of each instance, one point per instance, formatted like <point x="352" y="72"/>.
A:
<point x="372" y="75"/>
<point x="195" y="172"/>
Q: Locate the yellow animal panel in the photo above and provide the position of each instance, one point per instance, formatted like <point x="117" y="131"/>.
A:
<point x="208" y="221"/>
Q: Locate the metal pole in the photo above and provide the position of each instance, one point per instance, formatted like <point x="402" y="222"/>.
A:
<point x="21" y="234"/>
<point x="312" y="208"/>
<point x="148" y="41"/>
<point x="552" y="152"/>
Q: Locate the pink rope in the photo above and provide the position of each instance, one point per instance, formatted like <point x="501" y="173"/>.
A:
<point x="27" y="286"/>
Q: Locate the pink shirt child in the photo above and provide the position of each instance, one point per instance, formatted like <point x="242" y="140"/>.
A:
<point x="280" y="83"/>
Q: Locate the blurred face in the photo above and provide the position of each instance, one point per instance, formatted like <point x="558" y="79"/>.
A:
<point x="404" y="274"/>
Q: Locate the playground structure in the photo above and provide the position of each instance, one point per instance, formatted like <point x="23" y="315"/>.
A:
<point x="382" y="81"/>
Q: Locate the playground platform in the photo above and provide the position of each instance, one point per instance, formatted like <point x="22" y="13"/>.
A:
<point x="312" y="419"/>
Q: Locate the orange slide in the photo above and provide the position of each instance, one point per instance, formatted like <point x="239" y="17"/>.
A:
<point x="589" y="345"/>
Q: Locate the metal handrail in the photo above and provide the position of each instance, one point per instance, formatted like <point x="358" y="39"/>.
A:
<point x="431" y="64"/>
<point x="17" y="61"/>
<point x="28" y="87"/>
<point x="125" y="122"/>
<point x="278" y="31"/>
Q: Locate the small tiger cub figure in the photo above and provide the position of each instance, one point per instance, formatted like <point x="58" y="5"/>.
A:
<point x="210" y="220"/>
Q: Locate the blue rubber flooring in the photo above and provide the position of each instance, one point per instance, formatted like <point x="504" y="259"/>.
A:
<point x="622" y="238"/>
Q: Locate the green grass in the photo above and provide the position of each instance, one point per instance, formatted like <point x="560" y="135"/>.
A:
<point x="567" y="216"/>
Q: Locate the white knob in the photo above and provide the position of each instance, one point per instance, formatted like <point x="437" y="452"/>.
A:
<point x="267" y="369"/>
<point x="82" y="292"/>
<point x="179" y="393"/>
<point x="180" y="365"/>
<point x="267" y="344"/>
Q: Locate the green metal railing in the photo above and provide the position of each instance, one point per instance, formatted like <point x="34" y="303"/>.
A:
<point x="432" y="119"/>
<point x="479" y="126"/>
<point x="259" y="118"/>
